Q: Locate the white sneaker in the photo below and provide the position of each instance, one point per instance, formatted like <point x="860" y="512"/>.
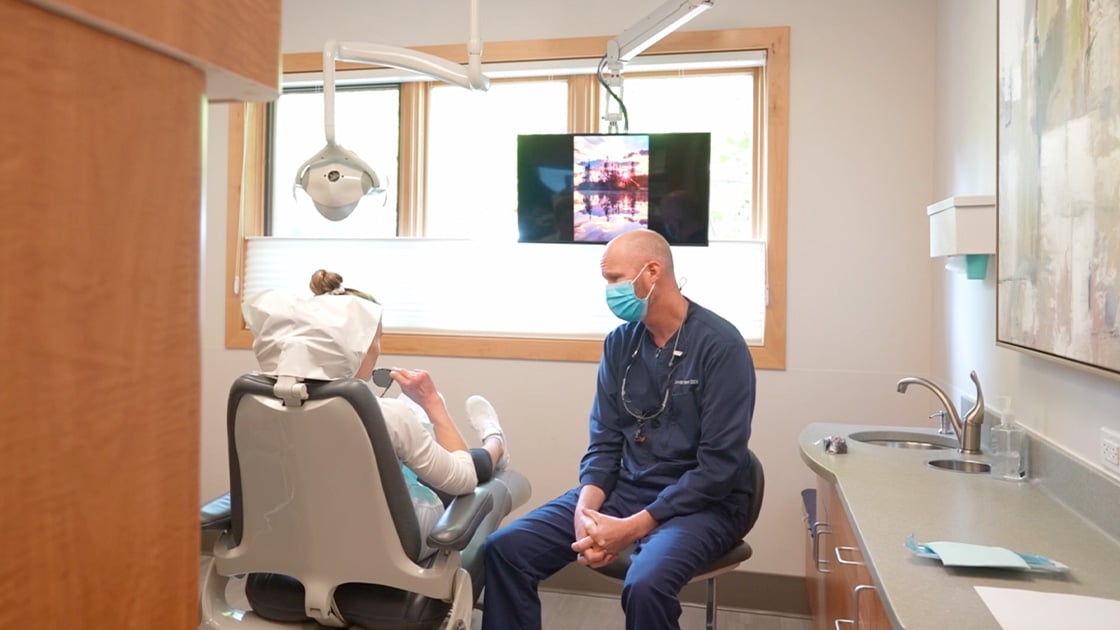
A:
<point x="484" y="419"/>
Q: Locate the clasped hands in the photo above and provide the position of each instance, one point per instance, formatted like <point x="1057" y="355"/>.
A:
<point x="600" y="538"/>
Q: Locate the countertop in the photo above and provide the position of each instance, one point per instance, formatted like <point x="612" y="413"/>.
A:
<point x="889" y="493"/>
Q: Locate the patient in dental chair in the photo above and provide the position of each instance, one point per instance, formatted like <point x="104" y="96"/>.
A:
<point x="336" y="333"/>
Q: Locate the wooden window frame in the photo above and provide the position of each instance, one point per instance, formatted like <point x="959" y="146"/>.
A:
<point x="246" y="195"/>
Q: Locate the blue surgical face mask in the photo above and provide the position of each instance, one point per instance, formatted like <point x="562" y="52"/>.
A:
<point x="626" y="304"/>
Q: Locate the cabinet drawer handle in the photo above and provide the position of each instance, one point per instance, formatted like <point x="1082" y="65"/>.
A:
<point x="841" y="560"/>
<point x="821" y="528"/>
<point x="854" y="621"/>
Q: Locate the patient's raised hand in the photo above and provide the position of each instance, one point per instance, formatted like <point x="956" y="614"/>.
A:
<point x="418" y="385"/>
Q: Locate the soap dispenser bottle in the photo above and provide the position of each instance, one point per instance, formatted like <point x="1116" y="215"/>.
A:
<point x="1010" y="448"/>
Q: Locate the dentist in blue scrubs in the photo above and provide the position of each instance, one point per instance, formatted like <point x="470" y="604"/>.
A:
<point x="666" y="467"/>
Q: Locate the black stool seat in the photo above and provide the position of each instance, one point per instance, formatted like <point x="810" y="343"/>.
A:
<point x="738" y="554"/>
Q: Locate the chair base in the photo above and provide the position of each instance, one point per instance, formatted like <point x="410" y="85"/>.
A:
<point x="725" y="563"/>
<point x="215" y="613"/>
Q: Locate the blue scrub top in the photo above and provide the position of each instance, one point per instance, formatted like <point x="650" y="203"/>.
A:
<point x="694" y="453"/>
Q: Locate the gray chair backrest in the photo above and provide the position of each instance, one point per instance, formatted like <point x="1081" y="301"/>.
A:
<point x="317" y="493"/>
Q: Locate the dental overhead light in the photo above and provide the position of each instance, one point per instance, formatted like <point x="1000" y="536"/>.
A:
<point x="635" y="40"/>
<point x="335" y="178"/>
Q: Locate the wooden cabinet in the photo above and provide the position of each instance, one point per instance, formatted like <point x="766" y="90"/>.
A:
<point x="101" y="153"/>
<point x="842" y="595"/>
<point x="814" y="576"/>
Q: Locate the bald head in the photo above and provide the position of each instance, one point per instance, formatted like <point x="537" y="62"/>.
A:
<point x="637" y="247"/>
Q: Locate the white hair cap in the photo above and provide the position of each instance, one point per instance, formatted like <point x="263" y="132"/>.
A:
<point x="323" y="337"/>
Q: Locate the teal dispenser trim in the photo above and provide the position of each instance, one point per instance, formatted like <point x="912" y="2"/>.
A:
<point x="976" y="266"/>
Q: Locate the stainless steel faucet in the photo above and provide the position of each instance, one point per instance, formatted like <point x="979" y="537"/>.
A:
<point x="968" y="430"/>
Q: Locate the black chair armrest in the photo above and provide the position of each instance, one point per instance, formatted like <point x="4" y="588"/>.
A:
<point x="809" y="504"/>
<point x="460" y="521"/>
<point x="216" y="514"/>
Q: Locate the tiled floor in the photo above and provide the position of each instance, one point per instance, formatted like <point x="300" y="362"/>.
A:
<point x="563" y="611"/>
<point x="567" y="611"/>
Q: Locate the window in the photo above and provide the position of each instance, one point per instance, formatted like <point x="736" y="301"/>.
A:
<point x="479" y="129"/>
<point x="367" y="122"/>
<point x="722" y="104"/>
<point x="456" y="181"/>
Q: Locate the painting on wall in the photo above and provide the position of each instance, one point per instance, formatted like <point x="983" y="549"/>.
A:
<point x="1058" y="260"/>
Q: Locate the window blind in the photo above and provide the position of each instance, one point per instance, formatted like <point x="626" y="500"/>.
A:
<point x="475" y="287"/>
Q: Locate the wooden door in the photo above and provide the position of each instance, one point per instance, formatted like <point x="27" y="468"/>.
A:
<point x="101" y="177"/>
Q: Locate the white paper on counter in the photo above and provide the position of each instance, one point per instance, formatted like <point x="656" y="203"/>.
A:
<point x="1019" y="609"/>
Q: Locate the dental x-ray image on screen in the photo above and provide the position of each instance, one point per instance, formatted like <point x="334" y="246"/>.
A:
<point x="589" y="188"/>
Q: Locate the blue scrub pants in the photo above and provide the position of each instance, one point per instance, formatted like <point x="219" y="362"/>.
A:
<point x="538" y="544"/>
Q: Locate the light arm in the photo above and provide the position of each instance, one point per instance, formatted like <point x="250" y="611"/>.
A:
<point x="469" y="76"/>
<point x="633" y="41"/>
<point x="335" y="178"/>
<point x="416" y="61"/>
<point x="652" y="28"/>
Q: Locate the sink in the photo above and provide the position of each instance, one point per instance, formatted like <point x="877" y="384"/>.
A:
<point x="905" y="439"/>
<point x="961" y="465"/>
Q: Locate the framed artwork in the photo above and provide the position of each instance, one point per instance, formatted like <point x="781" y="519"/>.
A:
<point x="1058" y="253"/>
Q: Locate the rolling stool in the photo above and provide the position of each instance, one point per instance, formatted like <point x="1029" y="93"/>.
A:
<point x="727" y="562"/>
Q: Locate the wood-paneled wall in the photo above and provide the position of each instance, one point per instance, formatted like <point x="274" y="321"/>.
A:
<point x="100" y="215"/>
<point x="236" y="43"/>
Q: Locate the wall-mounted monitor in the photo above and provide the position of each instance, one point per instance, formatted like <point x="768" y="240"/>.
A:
<point x="589" y="188"/>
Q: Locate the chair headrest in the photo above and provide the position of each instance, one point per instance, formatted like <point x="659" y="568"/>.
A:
<point x="290" y="390"/>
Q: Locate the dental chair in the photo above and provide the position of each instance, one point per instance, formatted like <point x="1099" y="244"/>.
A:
<point x="320" y="520"/>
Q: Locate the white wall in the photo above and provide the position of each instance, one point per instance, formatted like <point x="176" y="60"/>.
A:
<point x="1066" y="405"/>
<point x="965" y="164"/>
<point x="861" y="161"/>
